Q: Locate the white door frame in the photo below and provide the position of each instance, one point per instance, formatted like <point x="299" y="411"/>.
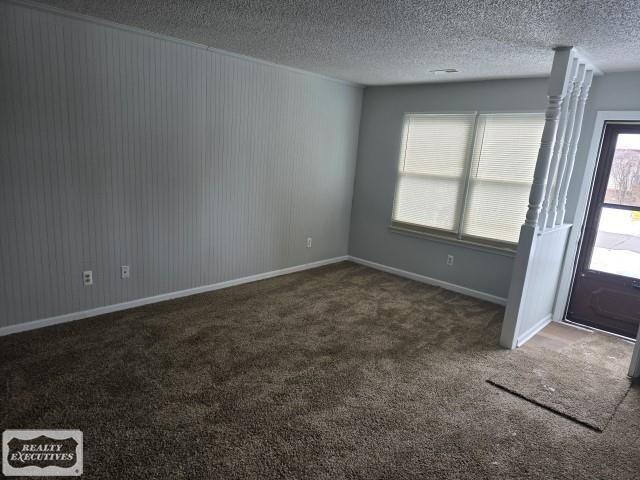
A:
<point x="634" y="369"/>
<point x="566" y="275"/>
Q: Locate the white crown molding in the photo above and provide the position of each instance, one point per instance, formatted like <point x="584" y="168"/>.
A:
<point x="160" y="36"/>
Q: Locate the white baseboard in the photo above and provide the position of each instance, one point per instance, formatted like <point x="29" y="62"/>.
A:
<point x="69" y="317"/>
<point x="526" y="336"/>
<point x="431" y="281"/>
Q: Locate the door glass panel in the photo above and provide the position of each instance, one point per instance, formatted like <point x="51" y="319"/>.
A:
<point x="617" y="246"/>
<point x="623" y="187"/>
<point x="605" y="290"/>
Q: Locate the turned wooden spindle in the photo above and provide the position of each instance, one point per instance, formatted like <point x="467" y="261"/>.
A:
<point x="551" y="186"/>
<point x="564" y="187"/>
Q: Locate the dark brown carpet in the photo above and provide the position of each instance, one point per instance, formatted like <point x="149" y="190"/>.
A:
<point x="342" y="372"/>
<point x="590" y="398"/>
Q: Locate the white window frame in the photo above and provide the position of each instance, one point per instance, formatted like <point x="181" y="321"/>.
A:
<point x="447" y="236"/>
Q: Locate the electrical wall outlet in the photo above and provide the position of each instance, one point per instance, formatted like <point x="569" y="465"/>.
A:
<point x="450" y="260"/>
<point x="124" y="271"/>
<point x="87" y="278"/>
<point x="309" y="240"/>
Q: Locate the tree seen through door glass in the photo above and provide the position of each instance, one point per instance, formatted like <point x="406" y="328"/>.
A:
<point x="623" y="187"/>
<point x="617" y="245"/>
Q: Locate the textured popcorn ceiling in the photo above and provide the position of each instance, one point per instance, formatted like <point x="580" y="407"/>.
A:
<point x="394" y="41"/>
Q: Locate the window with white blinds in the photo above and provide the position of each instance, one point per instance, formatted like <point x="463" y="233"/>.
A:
<point x="467" y="175"/>
<point x="433" y="165"/>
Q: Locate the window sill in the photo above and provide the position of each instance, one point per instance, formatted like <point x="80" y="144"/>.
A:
<point x="443" y="238"/>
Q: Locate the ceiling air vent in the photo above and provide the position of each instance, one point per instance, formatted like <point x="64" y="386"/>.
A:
<point x="444" y="71"/>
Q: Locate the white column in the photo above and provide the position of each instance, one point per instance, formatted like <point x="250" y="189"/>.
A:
<point x="557" y="90"/>
<point x="544" y="158"/>
<point x="566" y="145"/>
<point x="566" y="179"/>
<point x="528" y="232"/>
<point x="557" y="149"/>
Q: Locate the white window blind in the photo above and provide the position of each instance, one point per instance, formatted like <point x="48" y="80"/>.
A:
<point x="504" y="158"/>
<point x="470" y="186"/>
<point x="432" y="170"/>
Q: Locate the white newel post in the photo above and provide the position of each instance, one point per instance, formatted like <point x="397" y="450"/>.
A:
<point x="541" y="172"/>
<point x="558" y="84"/>
<point x="531" y="296"/>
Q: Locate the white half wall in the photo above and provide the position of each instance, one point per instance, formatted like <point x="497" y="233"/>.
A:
<point x="533" y="294"/>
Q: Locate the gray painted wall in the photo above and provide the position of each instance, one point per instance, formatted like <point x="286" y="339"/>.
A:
<point x="380" y="131"/>
<point x="191" y="166"/>
<point x="614" y="91"/>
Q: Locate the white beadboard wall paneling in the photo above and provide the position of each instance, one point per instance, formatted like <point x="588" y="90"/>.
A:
<point x="192" y="166"/>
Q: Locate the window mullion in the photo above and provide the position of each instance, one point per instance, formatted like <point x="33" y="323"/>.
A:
<point x="467" y="176"/>
<point x="406" y="124"/>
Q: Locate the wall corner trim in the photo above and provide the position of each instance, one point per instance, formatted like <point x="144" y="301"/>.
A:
<point x="431" y="281"/>
<point x="531" y="332"/>
<point x="94" y="312"/>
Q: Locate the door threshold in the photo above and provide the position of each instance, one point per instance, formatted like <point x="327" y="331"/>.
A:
<point x="589" y="328"/>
